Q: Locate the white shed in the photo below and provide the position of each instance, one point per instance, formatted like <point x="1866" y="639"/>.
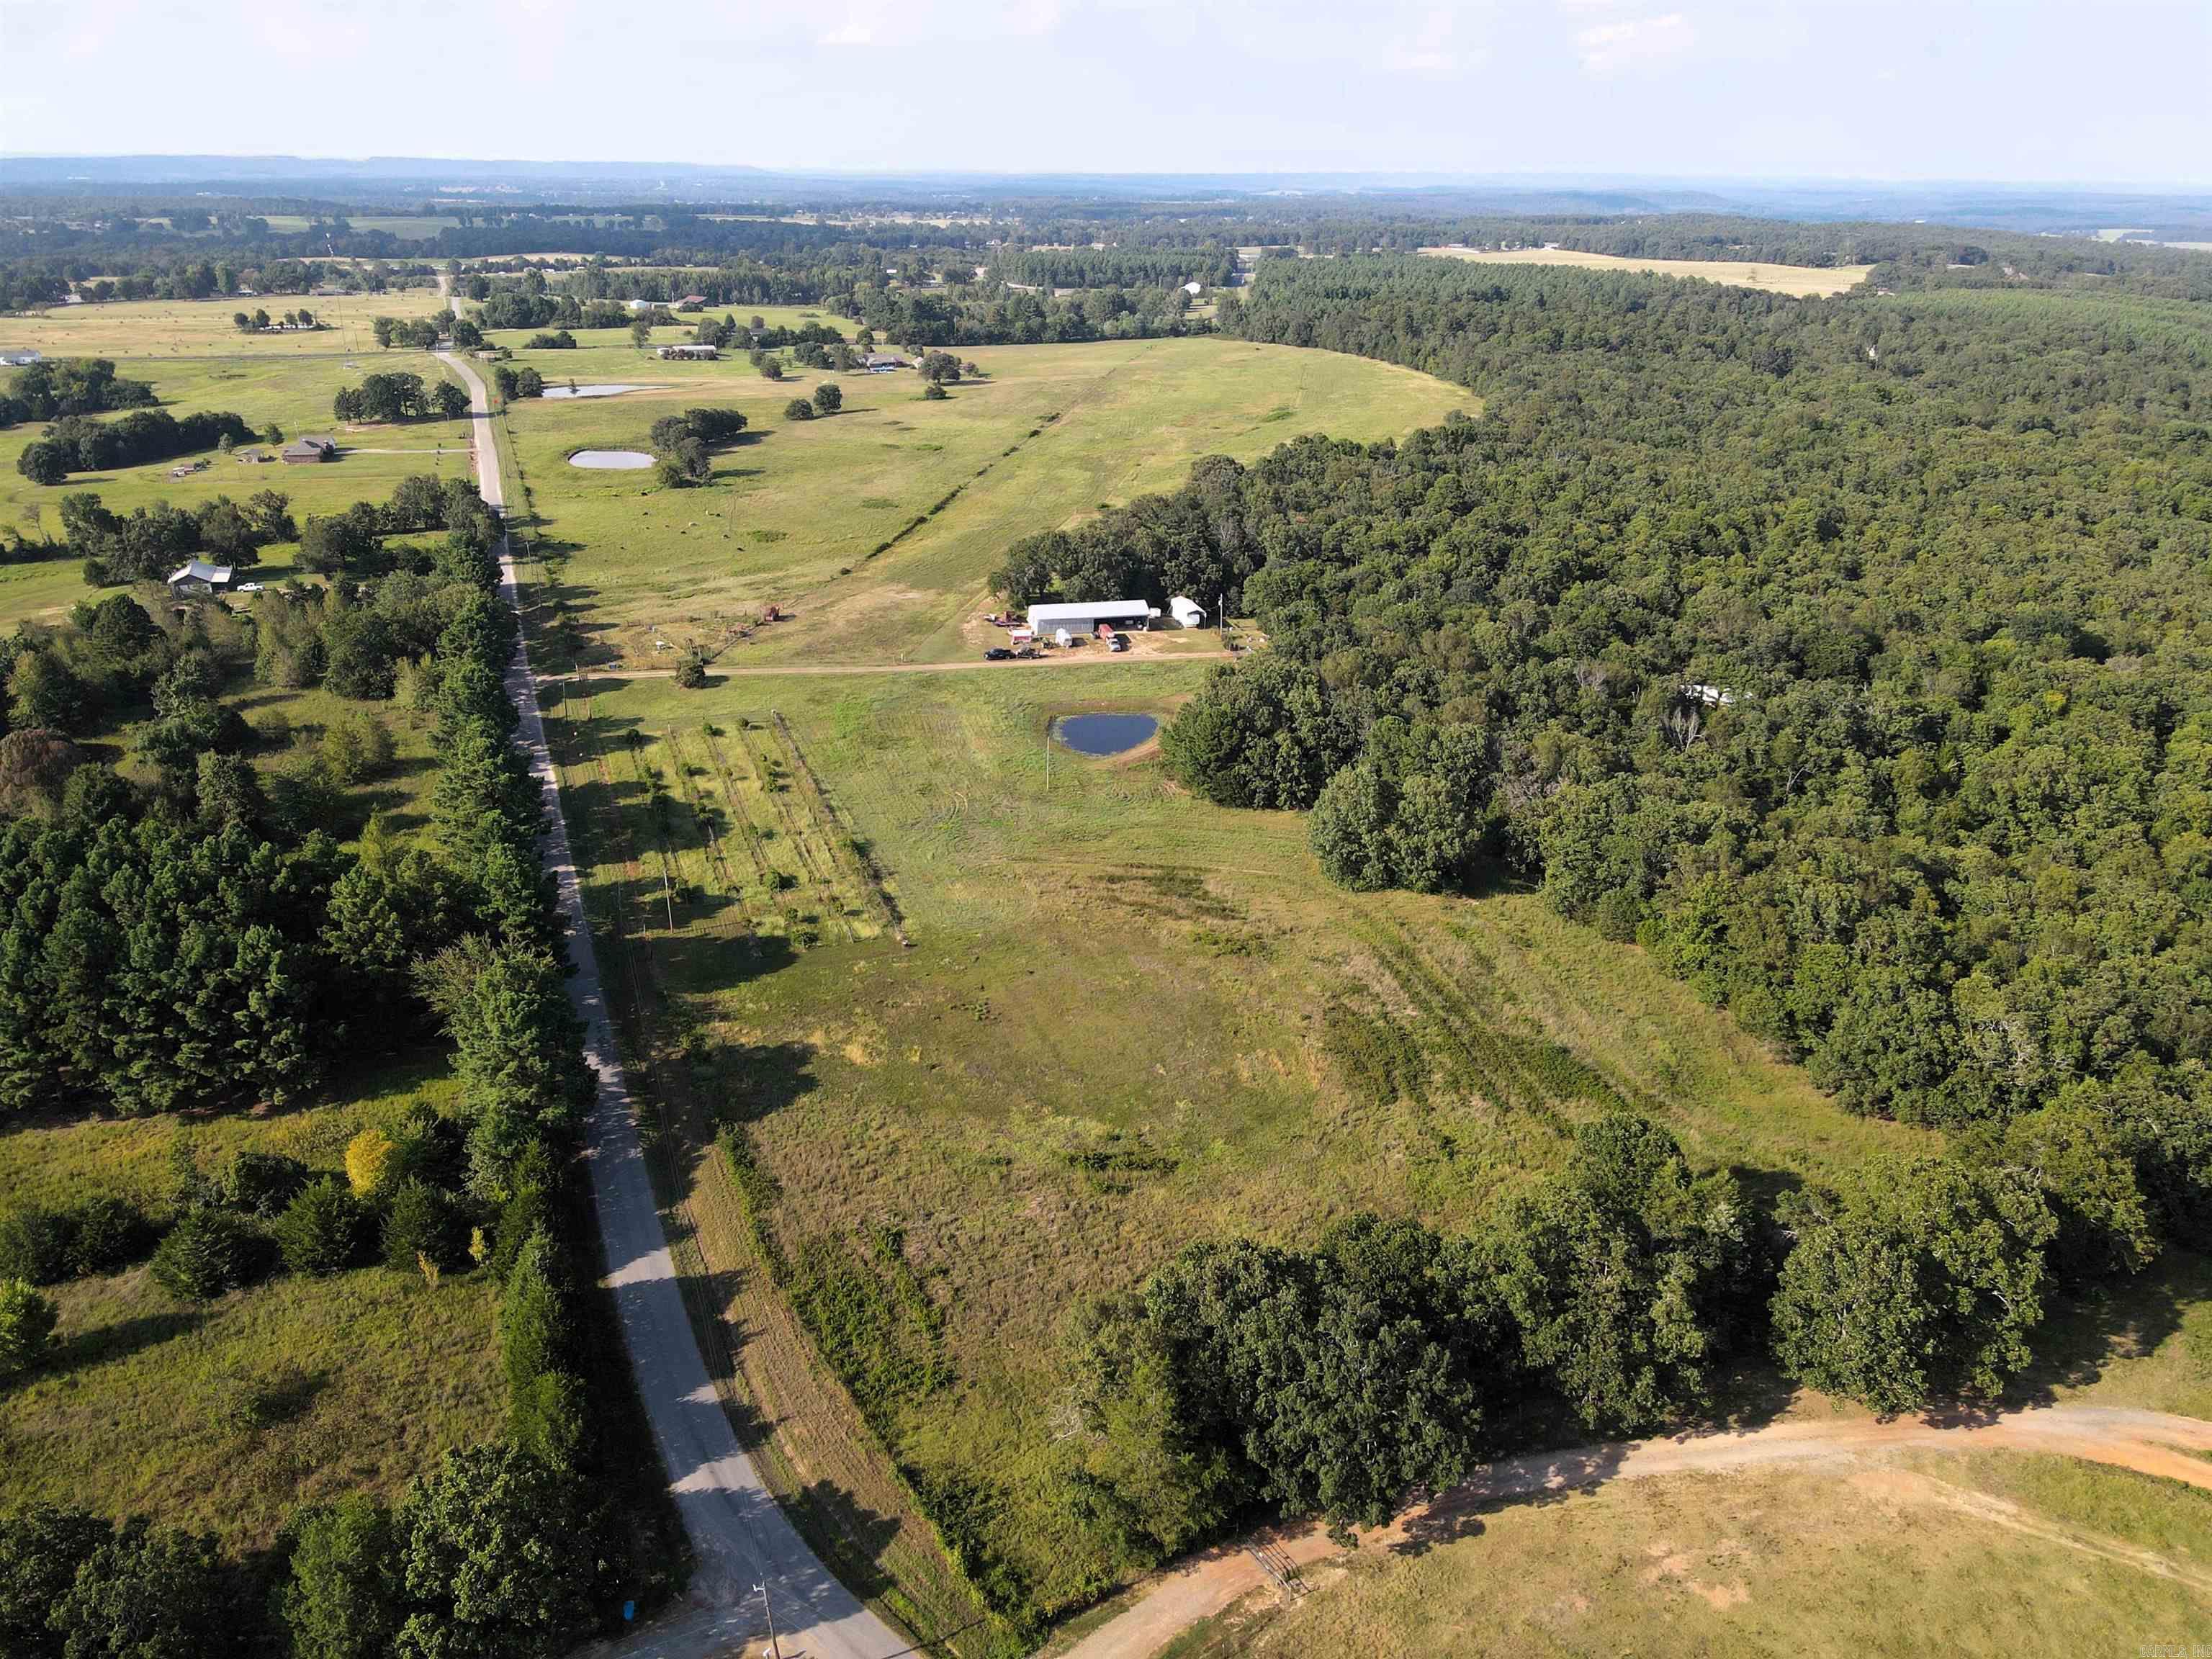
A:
<point x="1188" y="613"/>
<point x="1084" y="617"/>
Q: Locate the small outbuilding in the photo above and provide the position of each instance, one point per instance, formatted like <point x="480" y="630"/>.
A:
<point x="199" y="578"/>
<point x="301" y="450"/>
<point x="1187" y="613"/>
<point x="1087" y="617"/>
<point x="1193" y="288"/>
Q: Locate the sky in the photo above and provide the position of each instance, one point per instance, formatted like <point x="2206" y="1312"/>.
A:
<point x="2059" y="91"/>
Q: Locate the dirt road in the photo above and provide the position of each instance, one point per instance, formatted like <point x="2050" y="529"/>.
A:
<point x="2153" y="1443"/>
<point x="738" y="1532"/>
<point x="771" y="671"/>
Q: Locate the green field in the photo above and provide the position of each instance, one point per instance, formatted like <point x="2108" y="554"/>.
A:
<point x="202" y="328"/>
<point x="798" y="511"/>
<point x="1991" y="1553"/>
<point x="226" y="1417"/>
<point x="1127" y="1020"/>
<point x="258" y="380"/>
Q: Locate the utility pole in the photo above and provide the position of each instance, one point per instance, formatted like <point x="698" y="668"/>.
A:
<point x="774" y="1651"/>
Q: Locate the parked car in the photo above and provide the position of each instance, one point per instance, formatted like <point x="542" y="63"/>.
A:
<point x="1029" y="653"/>
<point x="997" y="653"/>
<point x="1118" y="642"/>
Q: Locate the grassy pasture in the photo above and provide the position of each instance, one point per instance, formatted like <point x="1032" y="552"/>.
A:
<point x="227" y="1416"/>
<point x="1800" y="280"/>
<point x="202" y="328"/>
<point x="797" y="510"/>
<point x="407" y="226"/>
<point x="1986" y="1553"/>
<point x="1127" y="1020"/>
<point x="292" y="391"/>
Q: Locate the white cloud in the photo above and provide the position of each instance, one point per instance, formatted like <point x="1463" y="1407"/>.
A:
<point x="852" y="34"/>
<point x="1605" y="49"/>
<point x="1435" y="47"/>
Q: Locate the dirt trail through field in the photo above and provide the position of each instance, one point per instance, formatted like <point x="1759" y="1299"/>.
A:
<point x="2151" y="1443"/>
<point x="772" y="671"/>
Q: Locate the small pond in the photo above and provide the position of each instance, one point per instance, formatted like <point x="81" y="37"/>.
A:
<point x="611" y="460"/>
<point x="609" y="390"/>
<point x="1105" y="734"/>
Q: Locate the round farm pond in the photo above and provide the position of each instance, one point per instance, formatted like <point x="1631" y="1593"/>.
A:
<point x="1105" y="734"/>
<point x="609" y="390"/>
<point x="611" y="460"/>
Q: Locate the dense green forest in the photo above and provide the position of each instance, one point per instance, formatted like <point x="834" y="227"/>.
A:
<point x="1852" y="655"/>
<point x="1852" y="658"/>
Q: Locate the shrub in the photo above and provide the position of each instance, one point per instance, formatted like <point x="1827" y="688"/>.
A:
<point x="373" y="1161"/>
<point x="35" y="1245"/>
<point x="40" y="1550"/>
<point x="934" y="393"/>
<point x="423" y="1223"/>
<point x="497" y="1555"/>
<point x="109" y="1234"/>
<point x="828" y="397"/>
<point x="261" y="1183"/>
<point x="691" y="670"/>
<point x="208" y="1253"/>
<point x="152" y="1593"/>
<point x="342" y="1602"/>
<point x="799" y="410"/>
<point x="1921" y="1277"/>
<point x="324" y="1230"/>
<point x="27" y="1328"/>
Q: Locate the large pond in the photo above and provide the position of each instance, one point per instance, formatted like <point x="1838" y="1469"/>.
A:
<point x="611" y="460"/>
<point x="1105" y="734"/>
<point x="609" y="390"/>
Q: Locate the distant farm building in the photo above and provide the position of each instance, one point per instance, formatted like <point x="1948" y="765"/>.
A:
<point x="198" y="578"/>
<point x="1187" y="613"/>
<point x="309" y="449"/>
<point x="687" y="354"/>
<point x="1088" y="616"/>
<point x="883" y="362"/>
<point x="20" y="359"/>
<point x="693" y="299"/>
<point x="1193" y="288"/>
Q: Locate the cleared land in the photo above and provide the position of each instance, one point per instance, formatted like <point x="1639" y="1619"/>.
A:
<point x="1911" y="1553"/>
<point x="258" y="378"/>
<point x="225" y="1417"/>
<point x="879" y="526"/>
<point x="1801" y="281"/>
<point x="1127" y="1020"/>
<point x="190" y="328"/>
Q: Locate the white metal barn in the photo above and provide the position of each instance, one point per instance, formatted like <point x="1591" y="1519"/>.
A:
<point x="1188" y="613"/>
<point x="1083" y="618"/>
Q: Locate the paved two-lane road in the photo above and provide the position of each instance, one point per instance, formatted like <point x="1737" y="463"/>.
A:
<point x="738" y="1532"/>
